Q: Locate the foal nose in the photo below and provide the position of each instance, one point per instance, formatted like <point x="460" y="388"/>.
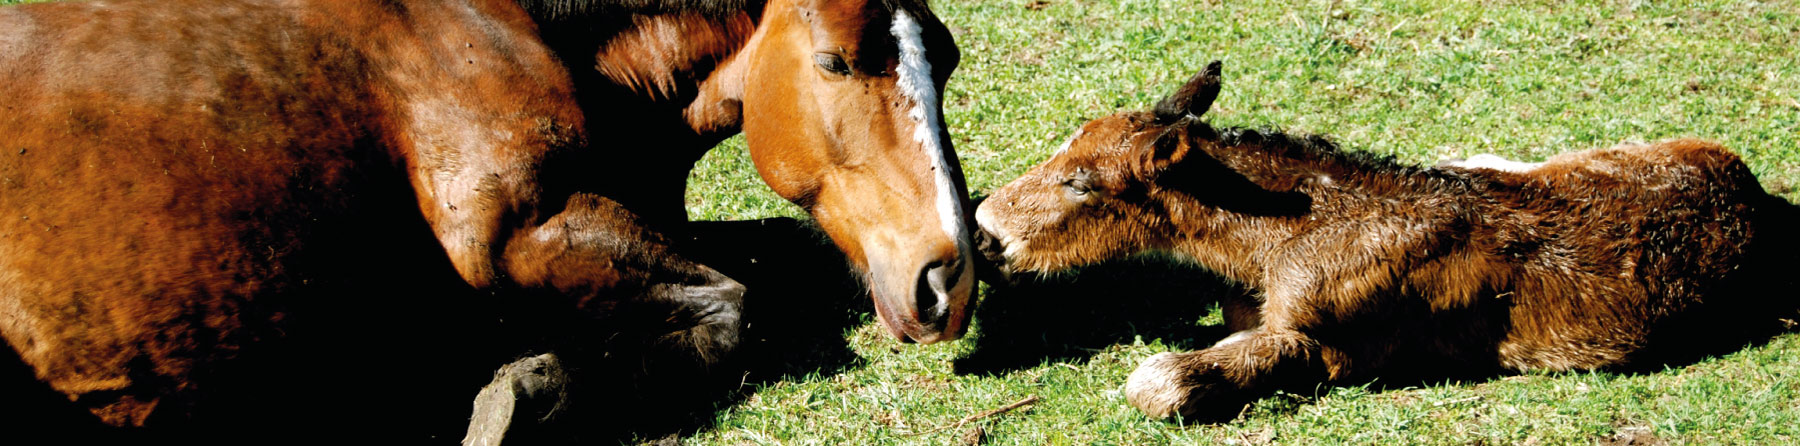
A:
<point x="993" y="253"/>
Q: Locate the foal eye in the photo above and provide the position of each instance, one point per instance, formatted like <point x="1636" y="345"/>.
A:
<point x="1078" y="186"/>
<point x="832" y="63"/>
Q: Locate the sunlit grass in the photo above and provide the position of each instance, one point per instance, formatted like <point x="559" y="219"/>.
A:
<point x="1419" y="80"/>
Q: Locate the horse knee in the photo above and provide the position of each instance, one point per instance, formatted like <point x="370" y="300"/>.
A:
<point x="713" y="312"/>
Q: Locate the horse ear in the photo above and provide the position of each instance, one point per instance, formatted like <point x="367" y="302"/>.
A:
<point x="1168" y="149"/>
<point x="1193" y="98"/>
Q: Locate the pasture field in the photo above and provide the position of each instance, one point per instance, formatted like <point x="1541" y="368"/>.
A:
<point x="1420" y="80"/>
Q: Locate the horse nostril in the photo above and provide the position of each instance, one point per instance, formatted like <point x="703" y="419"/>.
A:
<point x="988" y="245"/>
<point x="935" y="282"/>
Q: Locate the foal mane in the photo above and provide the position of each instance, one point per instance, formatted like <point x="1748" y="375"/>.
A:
<point x="1301" y="157"/>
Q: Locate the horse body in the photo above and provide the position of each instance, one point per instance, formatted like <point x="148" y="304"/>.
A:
<point x="185" y="173"/>
<point x="330" y="184"/>
<point x="1367" y="267"/>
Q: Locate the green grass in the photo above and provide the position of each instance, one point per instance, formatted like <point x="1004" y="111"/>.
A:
<point x="1420" y="80"/>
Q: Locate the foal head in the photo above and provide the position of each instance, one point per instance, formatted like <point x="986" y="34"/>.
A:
<point x="1108" y="191"/>
<point x="841" y="110"/>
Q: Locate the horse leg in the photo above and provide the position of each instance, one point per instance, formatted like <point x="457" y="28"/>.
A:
<point x="1214" y="383"/>
<point x="1242" y="312"/>
<point x="524" y="395"/>
<point x="640" y="311"/>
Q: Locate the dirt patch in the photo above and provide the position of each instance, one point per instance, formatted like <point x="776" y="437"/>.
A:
<point x="1635" y="435"/>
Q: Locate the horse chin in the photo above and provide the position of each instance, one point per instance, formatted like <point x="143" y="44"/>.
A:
<point x="892" y="323"/>
<point x="909" y="330"/>
<point x="922" y="302"/>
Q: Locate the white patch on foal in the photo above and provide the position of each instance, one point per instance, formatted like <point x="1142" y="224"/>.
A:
<point x="1494" y="162"/>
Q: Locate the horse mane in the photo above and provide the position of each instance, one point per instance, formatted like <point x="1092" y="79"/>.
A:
<point x="1313" y="155"/>
<point x="562" y="10"/>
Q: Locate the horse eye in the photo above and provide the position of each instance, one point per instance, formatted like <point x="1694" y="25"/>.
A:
<point x="1078" y="186"/>
<point x="832" y="63"/>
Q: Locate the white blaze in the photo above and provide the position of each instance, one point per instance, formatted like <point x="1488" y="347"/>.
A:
<point x="1068" y="142"/>
<point x="916" y="83"/>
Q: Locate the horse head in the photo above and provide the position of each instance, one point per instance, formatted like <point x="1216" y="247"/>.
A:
<point x="842" y="112"/>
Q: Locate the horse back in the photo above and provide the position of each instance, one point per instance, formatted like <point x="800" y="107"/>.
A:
<point x="1611" y="248"/>
<point x="185" y="179"/>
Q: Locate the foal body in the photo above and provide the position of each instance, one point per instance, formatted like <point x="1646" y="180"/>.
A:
<point x="1365" y="266"/>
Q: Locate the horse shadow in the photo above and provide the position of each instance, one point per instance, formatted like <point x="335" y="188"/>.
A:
<point x="802" y="297"/>
<point x="1072" y="316"/>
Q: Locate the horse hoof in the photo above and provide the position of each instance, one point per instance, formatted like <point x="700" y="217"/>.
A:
<point x="1170" y="385"/>
<point x="523" y="397"/>
<point x="1153" y="387"/>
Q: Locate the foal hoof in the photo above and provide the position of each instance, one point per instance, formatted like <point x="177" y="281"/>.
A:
<point x="1168" y="385"/>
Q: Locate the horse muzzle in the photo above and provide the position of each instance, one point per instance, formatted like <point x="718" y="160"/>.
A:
<point x="990" y="266"/>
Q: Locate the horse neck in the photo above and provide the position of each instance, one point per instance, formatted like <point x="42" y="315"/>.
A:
<point x="1294" y="180"/>
<point x="1257" y="195"/>
<point x="659" y="85"/>
<point x="1280" y="162"/>
<point x="1235" y="245"/>
<point x="673" y="63"/>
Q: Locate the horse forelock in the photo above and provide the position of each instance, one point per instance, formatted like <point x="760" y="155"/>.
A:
<point x="916" y="83"/>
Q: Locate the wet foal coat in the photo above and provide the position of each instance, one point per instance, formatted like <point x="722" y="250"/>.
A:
<point x="1367" y="267"/>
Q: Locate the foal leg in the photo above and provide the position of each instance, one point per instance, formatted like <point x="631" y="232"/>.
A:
<point x="1214" y="383"/>
<point x="1242" y="312"/>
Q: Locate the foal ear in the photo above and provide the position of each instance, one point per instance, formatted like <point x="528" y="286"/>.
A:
<point x="1193" y="98"/>
<point x="1168" y="149"/>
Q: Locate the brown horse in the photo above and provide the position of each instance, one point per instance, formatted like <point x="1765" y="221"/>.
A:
<point x="216" y="205"/>
<point x="1366" y="267"/>
<point x="838" y="100"/>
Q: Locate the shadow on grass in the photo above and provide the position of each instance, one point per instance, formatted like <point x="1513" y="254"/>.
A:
<point x="802" y="296"/>
<point x="801" y="299"/>
<point x="1071" y="316"/>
